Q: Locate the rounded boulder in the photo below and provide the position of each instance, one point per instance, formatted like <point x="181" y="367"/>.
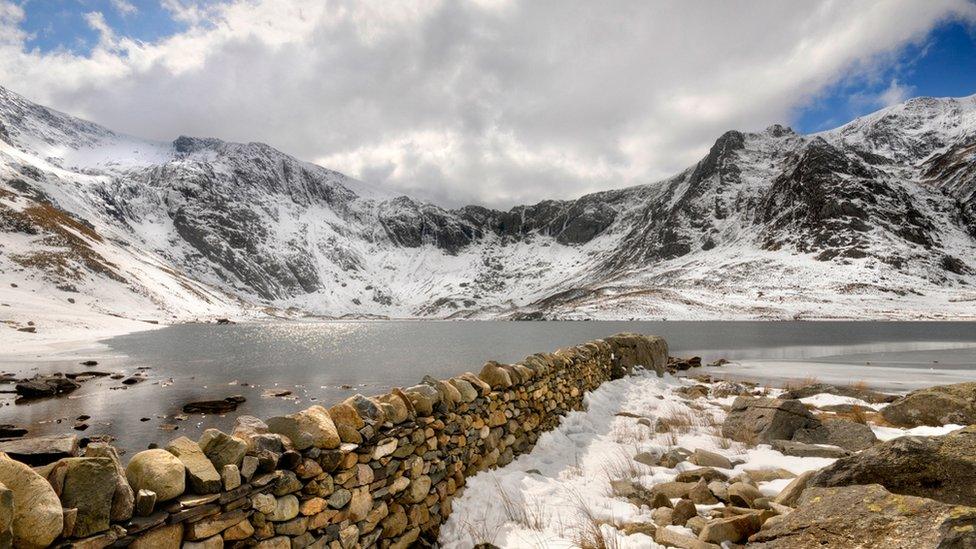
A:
<point x="159" y="471"/>
<point x="38" y="518"/>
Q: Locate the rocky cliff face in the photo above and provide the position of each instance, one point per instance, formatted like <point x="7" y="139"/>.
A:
<point x="874" y="219"/>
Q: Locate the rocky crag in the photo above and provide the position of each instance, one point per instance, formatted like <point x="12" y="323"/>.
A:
<point x="368" y="472"/>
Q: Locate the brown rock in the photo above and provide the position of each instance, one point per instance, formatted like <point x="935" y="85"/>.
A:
<point x="169" y="536"/>
<point x="940" y="405"/>
<point x="874" y="517"/>
<point x="939" y="467"/>
<point x="732" y="529"/>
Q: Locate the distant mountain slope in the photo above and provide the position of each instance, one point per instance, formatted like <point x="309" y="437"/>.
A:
<point x="876" y="219"/>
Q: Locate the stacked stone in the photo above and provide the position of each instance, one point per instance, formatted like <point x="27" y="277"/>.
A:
<point x="368" y="472"/>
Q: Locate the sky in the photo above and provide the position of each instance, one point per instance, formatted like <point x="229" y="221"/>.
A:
<point x="496" y="102"/>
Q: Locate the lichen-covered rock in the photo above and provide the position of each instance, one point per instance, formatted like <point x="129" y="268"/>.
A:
<point x="89" y="485"/>
<point x="940" y="468"/>
<point x="422" y="398"/>
<point x="201" y="474"/>
<point x="169" y="536"/>
<point x="367" y="408"/>
<point x="348" y="422"/>
<point x="448" y="392"/>
<point x="465" y="389"/>
<point x="123" y="500"/>
<point x="763" y="420"/>
<point x="310" y="428"/>
<point x="222" y="449"/>
<point x="940" y="405"/>
<point x="397" y="411"/>
<point x="495" y="375"/>
<point x="874" y="517"/>
<point x="286" y="508"/>
<point x="158" y="471"/>
<point x="38" y="518"/>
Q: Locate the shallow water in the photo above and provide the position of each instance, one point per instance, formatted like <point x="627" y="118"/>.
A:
<point x="315" y="359"/>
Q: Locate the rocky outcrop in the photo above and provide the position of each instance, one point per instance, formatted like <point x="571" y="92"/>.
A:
<point x="939" y="405"/>
<point x="869" y="517"/>
<point x="763" y="420"/>
<point x="941" y="468"/>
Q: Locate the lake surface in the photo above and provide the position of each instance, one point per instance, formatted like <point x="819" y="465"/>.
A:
<point x="324" y="362"/>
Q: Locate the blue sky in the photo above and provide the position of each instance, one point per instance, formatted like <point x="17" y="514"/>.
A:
<point x="943" y="66"/>
<point x="61" y="24"/>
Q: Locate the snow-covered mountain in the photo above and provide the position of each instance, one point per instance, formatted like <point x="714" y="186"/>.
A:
<point x="876" y="219"/>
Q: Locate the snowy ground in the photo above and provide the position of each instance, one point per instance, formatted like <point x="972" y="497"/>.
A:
<point x="553" y="496"/>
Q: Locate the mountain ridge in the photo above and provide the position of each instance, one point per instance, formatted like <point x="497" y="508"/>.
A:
<point x="874" y="219"/>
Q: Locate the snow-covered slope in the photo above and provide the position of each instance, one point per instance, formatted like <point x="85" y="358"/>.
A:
<point x="876" y="219"/>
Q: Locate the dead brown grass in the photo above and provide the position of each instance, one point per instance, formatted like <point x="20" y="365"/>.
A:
<point x="794" y="384"/>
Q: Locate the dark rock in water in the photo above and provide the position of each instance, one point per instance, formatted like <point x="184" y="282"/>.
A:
<point x="224" y="406"/>
<point x="224" y="321"/>
<point x="90" y="363"/>
<point x="132" y="380"/>
<point x="28" y="329"/>
<point x="36" y="451"/>
<point x="46" y="387"/>
<point x="11" y="431"/>
<point x="866" y="395"/>
<point x="875" y="518"/>
<point x="941" y="468"/>
<point x="940" y="405"/>
<point x="763" y="420"/>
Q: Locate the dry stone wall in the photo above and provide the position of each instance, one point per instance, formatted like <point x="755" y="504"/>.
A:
<point x="368" y="472"/>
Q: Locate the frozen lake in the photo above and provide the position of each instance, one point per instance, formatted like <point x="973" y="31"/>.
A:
<point x="316" y="360"/>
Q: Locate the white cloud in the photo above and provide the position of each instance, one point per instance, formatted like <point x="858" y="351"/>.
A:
<point x="494" y="101"/>
<point x="124" y="7"/>
<point x="894" y="93"/>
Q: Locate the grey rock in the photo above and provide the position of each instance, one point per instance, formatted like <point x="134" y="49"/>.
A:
<point x="41" y="450"/>
<point x="846" y="434"/>
<point x="762" y="420"/>
<point x="800" y="449"/>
